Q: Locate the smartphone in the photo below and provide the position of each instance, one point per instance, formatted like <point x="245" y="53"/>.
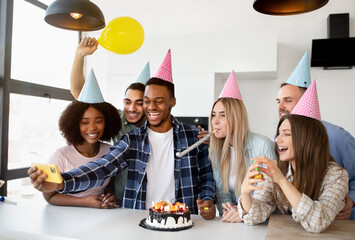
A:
<point x="51" y="170"/>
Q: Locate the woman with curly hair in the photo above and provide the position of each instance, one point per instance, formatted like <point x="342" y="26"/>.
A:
<point x="85" y="126"/>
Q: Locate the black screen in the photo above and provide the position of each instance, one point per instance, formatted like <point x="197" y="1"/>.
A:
<point x="333" y="52"/>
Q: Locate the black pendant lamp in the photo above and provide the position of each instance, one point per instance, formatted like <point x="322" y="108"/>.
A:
<point x="78" y="15"/>
<point x="287" y="7"/>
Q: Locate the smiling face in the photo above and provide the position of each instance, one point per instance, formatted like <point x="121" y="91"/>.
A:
<point x="92" y="125"/>
<point x="284" y="141"/>
<point x="157" y="106"/>
<point x="133" y="107"/>
<point x="287" y="99"/>
<point x="218" y="120"/>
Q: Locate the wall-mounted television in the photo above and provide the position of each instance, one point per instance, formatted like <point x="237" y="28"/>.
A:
<point x="333" y="53"/>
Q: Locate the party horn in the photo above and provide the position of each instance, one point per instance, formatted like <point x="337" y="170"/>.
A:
<point x="195" y="145"/>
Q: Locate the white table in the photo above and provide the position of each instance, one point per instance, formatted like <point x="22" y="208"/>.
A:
<point x="39" y="220"/>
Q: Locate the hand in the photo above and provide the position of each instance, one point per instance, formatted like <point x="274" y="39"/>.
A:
<point x="249" y="180"/>
<point x="345" y="213"/>
<point x="202" y="133"/>
<point x="39" y="182"/>
<point x="109" y="200"/>
<point x="87" y="46"/>
<point x="99" y="201"/>
<point x="207" y="209"/>
<point x="272" y="170"/>
<point x="230" y="213"/>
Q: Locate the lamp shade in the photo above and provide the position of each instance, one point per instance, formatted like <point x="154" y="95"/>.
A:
<point x="79" y="15"/>
<point x="287" y="7"/>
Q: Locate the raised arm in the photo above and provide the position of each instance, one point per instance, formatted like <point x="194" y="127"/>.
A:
<point x="86" y="47"/>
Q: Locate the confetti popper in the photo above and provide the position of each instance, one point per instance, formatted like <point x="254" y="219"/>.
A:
<point x="259" y="176"/>
<point x="195" y="145"/>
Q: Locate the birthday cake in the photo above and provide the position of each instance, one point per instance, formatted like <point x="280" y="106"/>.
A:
<point x="169" y="216"/>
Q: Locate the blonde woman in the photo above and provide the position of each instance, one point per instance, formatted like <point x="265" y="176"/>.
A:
<point x="232" y="147"/>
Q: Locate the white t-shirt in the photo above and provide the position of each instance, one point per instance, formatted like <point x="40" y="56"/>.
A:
<point x="231" y="179"/>
<point x="160" y="169"/>
<point x="68" y="158"/>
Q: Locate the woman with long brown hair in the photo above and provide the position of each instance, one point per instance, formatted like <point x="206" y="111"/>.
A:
<point x="305" y="181"/>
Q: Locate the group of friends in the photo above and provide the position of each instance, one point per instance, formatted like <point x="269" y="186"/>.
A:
<point x="308" y="170"/>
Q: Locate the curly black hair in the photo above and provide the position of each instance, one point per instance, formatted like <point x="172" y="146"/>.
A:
<point x="69" y="121"/>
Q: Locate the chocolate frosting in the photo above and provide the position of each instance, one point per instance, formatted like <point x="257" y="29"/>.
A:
<point x="160" y="216"/>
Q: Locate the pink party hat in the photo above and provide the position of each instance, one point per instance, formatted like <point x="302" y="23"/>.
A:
<point x="231" y="89"/>
<point x="164" y="71"/>
<point x="308" y="105"/>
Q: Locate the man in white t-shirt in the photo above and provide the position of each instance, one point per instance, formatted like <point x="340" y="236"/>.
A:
<point x="149" y="152"/>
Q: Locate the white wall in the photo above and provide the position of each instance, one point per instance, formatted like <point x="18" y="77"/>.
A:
<point x="167" y="22"/>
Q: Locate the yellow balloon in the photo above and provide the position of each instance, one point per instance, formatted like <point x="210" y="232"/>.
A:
<point x="122" y="35"/>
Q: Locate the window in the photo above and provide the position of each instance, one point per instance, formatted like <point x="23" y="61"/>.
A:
<point x="34" y="73"/>
<point x="33" y="129"/>
<point x="41" y="53"/>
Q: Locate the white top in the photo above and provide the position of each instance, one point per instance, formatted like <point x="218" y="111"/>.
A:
<point x="160" y="169"/>
<point x="231" y="180"/>
<point x="68" y="158"/>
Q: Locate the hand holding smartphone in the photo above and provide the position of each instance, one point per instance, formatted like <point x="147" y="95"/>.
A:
<point x="51" y="170"/>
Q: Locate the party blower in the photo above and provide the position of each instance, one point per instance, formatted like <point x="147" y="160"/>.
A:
<point x="195" y="145"/>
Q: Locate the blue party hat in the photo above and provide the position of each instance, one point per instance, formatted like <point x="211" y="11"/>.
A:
<point x="91" y="91"/>
<point x="144" y="76"/>
<point x="301" y="76"/>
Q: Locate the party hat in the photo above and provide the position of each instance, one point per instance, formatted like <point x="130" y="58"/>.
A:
<point x="301" y="76"/>
<point x="231" y="89"/>
<point x="308" y="105"/>
<point x="91" y="91"/>
<point x="164" y="71"/>
<point x="144" y="76"/>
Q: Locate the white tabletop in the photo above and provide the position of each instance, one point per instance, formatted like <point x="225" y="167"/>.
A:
<point x="39" y="220"/>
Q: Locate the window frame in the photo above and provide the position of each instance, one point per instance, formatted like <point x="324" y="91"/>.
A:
<point x="9" y="85"/>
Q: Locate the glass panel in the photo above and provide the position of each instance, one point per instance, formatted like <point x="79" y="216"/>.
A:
<point x="41" y="53"/>
<point x="33" y="129"/>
